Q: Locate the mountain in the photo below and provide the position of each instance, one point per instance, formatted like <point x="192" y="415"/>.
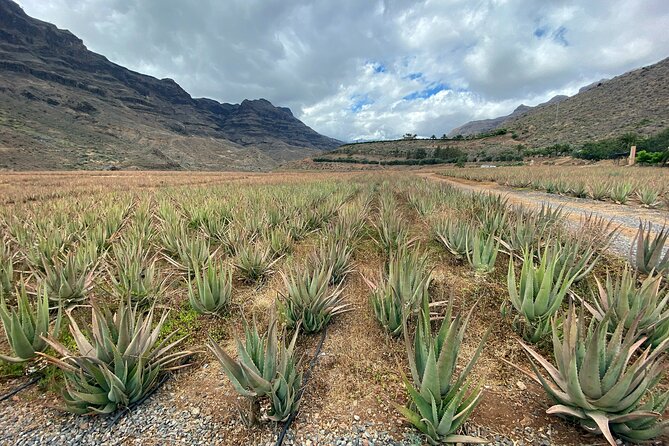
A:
<point x="65" y="107"/>
<point x="635" y="101"/>
<point x="485" y="125"/>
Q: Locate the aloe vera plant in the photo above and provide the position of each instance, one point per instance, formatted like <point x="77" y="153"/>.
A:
<point x="134" y="276"/>
<point x="454" y="235"/>
<point x="644" y="306"/>
<point x="400" y="293"/>
<point x="234" y="238"/>
<point x="577" y="256"/>
<point x="527" y="231"/>
<point x="493" y="220"/>
<point x="117" y="362"/>
<point x="599" y="231"/>
<point x="335" y="253"/>
<point x="25" y="324"/>
<point x="605" y="382"/>
<point x="308" y="300"/>
<point x="192" y="253"/>
<point x="387" y="305"/>
<point x="212" y="291"/>
<point x="391" y="229"/>
<point x="265" y="368"/>
<point x="68" y="280"/>
<point x="599" y="190"/>
<point x="649" y="196"/>
<point x="482" y="252"/>
<point x="279" y="240"/>
<point x="620" y="192"/>
<point x="298" y="227"/>
<point x="441" y="399"/>
<point x="646" y="252"/>
<point x="254" y="262"/>
<point x="538" y="295"/>
<point x="6" y="268"/>
<point x="171" y="234"/>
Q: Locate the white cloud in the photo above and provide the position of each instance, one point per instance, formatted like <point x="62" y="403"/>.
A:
<point x="323" y="59"/>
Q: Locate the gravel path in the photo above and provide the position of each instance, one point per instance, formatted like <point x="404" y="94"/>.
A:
<point x="158" y="421"/>
<point x="627" y="217"/>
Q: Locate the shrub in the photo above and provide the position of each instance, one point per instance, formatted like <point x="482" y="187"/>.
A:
<point x="644" y="157"/>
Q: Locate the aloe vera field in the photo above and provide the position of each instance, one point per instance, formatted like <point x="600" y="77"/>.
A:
<point x="331" y="308"/>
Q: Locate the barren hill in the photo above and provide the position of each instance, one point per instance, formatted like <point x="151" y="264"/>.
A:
<point x="485" y="125"/>
<point x="65" y="107"/>
<point x="637" y="101"/>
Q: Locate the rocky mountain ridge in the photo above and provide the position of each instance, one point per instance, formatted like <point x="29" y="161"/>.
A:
<point x="65" y="107"/>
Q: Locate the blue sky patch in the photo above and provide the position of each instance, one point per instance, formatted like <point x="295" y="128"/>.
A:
<point x="379" y="68"/>
<point x="359" y="101"/>
<point x="540" y="32"/>
<point x="427" y="92"/>
<point x="414" y="76"/>
<point x="559" y="36"/>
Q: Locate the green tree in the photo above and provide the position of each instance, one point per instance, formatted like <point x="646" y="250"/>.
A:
<point x="420" y="154"/>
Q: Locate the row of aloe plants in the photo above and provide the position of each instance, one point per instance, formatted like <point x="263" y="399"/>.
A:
<point x="267" y="370"/>
<point x="607" y="372"/>
<point x="126" y="354"/>
<point x="649" y="187"/>
<point x="440" y="396"/>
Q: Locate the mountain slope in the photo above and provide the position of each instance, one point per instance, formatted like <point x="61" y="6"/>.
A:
<point x="65" y="107"/>
<point x="485" y="125"/>
<point x="632" y="102"/>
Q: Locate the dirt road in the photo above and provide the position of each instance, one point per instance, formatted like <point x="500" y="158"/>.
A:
<point x="627" y="217"/>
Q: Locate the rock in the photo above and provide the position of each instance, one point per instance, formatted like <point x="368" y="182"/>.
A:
<point x="521" y="385"/>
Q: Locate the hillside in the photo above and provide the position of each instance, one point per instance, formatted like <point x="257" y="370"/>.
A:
<point x="417" y="151"/>
<point x="486" y="125"/>
<point x="632" y="102"/>
<point x="65" y="107"/>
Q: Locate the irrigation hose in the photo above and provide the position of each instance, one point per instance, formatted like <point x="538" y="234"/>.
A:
<point x="26" y="384"/>
<point x="307" y="377"/>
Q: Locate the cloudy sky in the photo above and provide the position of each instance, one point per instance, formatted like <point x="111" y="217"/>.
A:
<point x="363" y="69"/>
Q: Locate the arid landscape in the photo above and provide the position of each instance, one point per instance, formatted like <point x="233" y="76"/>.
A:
<point x="357" y="376"/>
<point x="187" y="259"/>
